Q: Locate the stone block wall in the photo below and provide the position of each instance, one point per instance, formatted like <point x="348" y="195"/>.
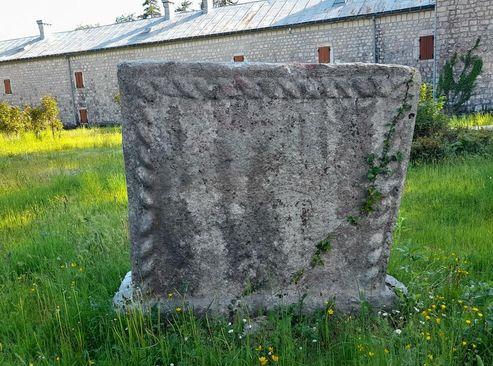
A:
<point x="394" y="37"/>
<point x="33" y="79"/>
<point x="398" y="40"/>
<point x="459" y="24"/>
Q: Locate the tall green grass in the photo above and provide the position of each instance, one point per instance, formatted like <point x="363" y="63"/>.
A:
<point x="72" y="139"/>
<point x="64" y="250"/>
<point x="472" y="120"/>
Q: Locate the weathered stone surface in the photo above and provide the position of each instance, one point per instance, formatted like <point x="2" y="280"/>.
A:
<point x="259" y="185"/>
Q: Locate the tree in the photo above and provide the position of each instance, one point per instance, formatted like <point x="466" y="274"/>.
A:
<point x="51" y="114"/>
<point x="185" y="6"/>
<point x="457" y="87"/>
<point x="86" y="26"/>
<point x="220" y="3"/>
<point x="125" y="18"/>
<point x="45" y="116"/>
<point x="151" y="9"/>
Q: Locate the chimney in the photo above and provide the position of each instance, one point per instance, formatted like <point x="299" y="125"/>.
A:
<point x="207" y="6"/>
<point x="169" y="9"/>
<point x="41" y="27"/>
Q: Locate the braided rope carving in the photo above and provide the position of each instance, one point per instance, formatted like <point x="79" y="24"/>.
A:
<point x="247" y="87"/>
<point x="145" y="254"/>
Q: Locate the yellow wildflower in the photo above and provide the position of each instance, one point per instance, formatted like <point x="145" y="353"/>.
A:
<point x="468" y="322"/>
<point x="475" y="309"/>
<point x="178" y="310"/>
<point x="371" y="354"/>
<point x="330" y="311"/>
<point x="474" y="346"/>
<point x="408" y="346"/>
<point x="258" y="348"/>
<point x="386" y="351"/>
<point x="464" y="343"/>
<point x="271" y="349"/>
<point x="170" y="295"/>
<point x="438" y="320"/>
<point x="443" y="307"/>
<point x="263" y="360"/>
<point x="480" y="315"/>
<point x="275" y="358"/>
<point x="430" y="357"/>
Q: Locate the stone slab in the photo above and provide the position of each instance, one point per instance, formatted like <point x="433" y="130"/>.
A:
<point x="260" y="185"/>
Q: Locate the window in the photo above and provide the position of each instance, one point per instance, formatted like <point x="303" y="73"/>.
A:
<point x="83" y="116"/>
<point x="79" y="81"/>
<point x="324" y="55"/>
<point x="426" y="47"/>
<point x="8" y="87"/>
<point x="239" y="58"/>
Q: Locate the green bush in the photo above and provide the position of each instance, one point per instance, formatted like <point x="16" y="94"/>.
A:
<point x="434" y="137"/>
<point x="14" y="120"/>
<point x="458" y="78"/>
<point x="430" y="119"/>
<point x="50" y="114"/>
<point x="452" y="143"/>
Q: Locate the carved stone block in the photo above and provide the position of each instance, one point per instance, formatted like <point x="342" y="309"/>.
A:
<point x="259" y="185"/>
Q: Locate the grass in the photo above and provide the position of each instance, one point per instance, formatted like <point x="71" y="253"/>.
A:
<point x="64" y="250"/>
<point x="472" y="120"/>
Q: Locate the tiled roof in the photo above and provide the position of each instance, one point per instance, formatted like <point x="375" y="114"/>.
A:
<point x="249" y="16"/>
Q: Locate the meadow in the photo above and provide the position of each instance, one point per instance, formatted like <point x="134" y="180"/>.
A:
<point x="64" y="249"/>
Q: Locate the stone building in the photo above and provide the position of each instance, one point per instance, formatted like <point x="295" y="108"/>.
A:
<point x="79" y="67"/>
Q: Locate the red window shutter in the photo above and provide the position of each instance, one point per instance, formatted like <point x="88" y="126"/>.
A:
<point x="79" y="81"/>
<point x="324" y="55"/>
<point x="83" y="116"/>
<point x="239" y="58"/>
<point x="426" y="47"/>
<point x="8" y="86"/>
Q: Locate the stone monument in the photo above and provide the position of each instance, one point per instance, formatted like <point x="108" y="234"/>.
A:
<point x="260" y="185"/>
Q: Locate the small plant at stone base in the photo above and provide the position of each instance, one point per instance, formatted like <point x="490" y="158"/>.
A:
<point x="117" y="98"/>
<point x="457" y="87"/>
<point x="322" y="247"/>
<point x="373" y="197"/>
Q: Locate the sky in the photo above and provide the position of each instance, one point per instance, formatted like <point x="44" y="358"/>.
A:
<point x="18" y="17"/>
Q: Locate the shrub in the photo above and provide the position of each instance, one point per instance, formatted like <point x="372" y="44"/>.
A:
<point x="450" y="143"/>
<point x="435" y="139"/>
<point x="457" y="87"/>
<point x="50" y="114"/>
<point x="430" y="118"/>
<point x="4" y="116"/>
<point x="14" y="120"/>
